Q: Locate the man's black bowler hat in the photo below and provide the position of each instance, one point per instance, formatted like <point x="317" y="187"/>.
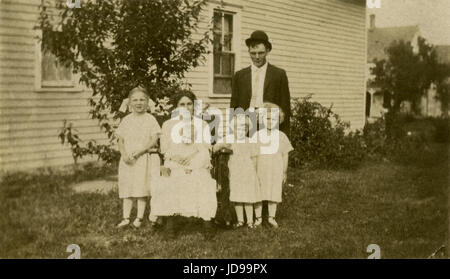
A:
<point x="259" y="37"/>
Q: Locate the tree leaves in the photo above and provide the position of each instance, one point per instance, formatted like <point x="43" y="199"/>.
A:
<point x="116" y="45"/>
<point x="407" y="75"/>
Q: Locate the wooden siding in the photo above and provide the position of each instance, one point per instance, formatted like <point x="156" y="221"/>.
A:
<point x="320" y="43"/>
<point x="29" y="118"/>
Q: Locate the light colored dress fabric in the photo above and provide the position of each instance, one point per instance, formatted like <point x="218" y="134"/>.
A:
<point x="182" y="193"/>
<point x="244" y="183"/>
<point x="270" y="169"/>
<point x="135" y="180"/>
<point x="201" y="128"/>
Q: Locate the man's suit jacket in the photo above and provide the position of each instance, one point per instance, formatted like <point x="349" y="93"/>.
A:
<point x="276" y="90"/>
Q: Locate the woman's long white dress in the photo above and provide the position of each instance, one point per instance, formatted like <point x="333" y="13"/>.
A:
<point x="189" y="190"/>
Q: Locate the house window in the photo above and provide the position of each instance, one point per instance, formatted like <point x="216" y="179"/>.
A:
<point x="52" y="73"/>
<point x="224" y="52"/>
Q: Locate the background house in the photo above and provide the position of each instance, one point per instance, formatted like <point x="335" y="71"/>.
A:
<point x="430" y="106"/>
<point x="378" y="39"/>
<point x="321" y="44"/>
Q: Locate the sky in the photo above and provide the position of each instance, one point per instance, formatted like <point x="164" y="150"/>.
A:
<point x="432" y="16"/>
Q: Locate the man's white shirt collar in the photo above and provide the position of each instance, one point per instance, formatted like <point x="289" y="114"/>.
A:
<point x="258" y="88"/>
<point x="263" y="68"/>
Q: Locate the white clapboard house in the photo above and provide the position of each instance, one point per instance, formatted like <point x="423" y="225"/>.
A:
<point x="320" y="43"/>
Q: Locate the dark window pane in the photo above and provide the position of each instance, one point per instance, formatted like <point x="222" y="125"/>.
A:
<point x="49" y="67"/>
<point x="65" y="72"/>
<point x="217" y="22"/>
<point x="217" y="63"/>
<point x="227" y="64"/>
<point x="222" y="85"/>
<point x="217" y="42"/>
<point x="228" y="19"/>
<point x="227" y="42"/>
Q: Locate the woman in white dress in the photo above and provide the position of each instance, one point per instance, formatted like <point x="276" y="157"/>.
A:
<point x="186" y="187"/>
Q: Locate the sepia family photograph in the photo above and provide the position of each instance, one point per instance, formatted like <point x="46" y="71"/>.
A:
<point x="224" y="129"/>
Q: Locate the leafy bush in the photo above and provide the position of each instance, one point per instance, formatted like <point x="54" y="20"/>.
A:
<point x="319" y="137"/>
<point x="442" y="129"/>
<point x="375" y="137"/>
<point x="105" y="152"/>
<point x="400" y="138"/>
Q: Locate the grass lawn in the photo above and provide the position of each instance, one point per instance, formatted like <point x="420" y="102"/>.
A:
<point x="326" y="214"/>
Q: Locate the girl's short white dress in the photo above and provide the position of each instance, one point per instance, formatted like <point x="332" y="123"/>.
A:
<point x="135" y="180"/>
<point x="190" y="190"/>
<point x="270" y="167"/>
<point x="244" y="183"/>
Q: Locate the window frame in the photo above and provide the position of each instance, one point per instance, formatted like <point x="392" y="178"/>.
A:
<point x="50" y="86"/>
<point x="236" y="44"/>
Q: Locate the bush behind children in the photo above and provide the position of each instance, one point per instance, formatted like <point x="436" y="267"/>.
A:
<point x="183" y="186"/>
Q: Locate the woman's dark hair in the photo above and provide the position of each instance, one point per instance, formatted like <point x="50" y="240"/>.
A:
<point x="177" y="97"/>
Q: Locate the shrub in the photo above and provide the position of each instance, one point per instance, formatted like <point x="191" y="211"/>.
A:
<point x="442" y="129"/>
<point x="375" y="137"/>
<point x="319" y="137"/>
<point x="399" y="138"/>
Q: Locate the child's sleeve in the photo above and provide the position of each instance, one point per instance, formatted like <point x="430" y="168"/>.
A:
<point x="165" y="137"/>
<point x="285" y="144"/>
<point x="155" y="129"/>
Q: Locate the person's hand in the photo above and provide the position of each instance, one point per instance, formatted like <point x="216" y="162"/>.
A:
<point x="181" y="160"/>
<point x="129" y="160"/>
<point x="185" y="161"/>
<point x="284" y="178"/>
<point x="165" y="171"/>
<point x="135" y="155"/>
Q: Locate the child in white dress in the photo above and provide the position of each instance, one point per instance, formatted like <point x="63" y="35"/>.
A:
<point x="272" y="166"/>
<point x="244" y="184"/>
<point x="137" y="133"/>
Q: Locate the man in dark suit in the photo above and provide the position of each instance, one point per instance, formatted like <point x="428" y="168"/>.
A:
<point x="261" y="82"/>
